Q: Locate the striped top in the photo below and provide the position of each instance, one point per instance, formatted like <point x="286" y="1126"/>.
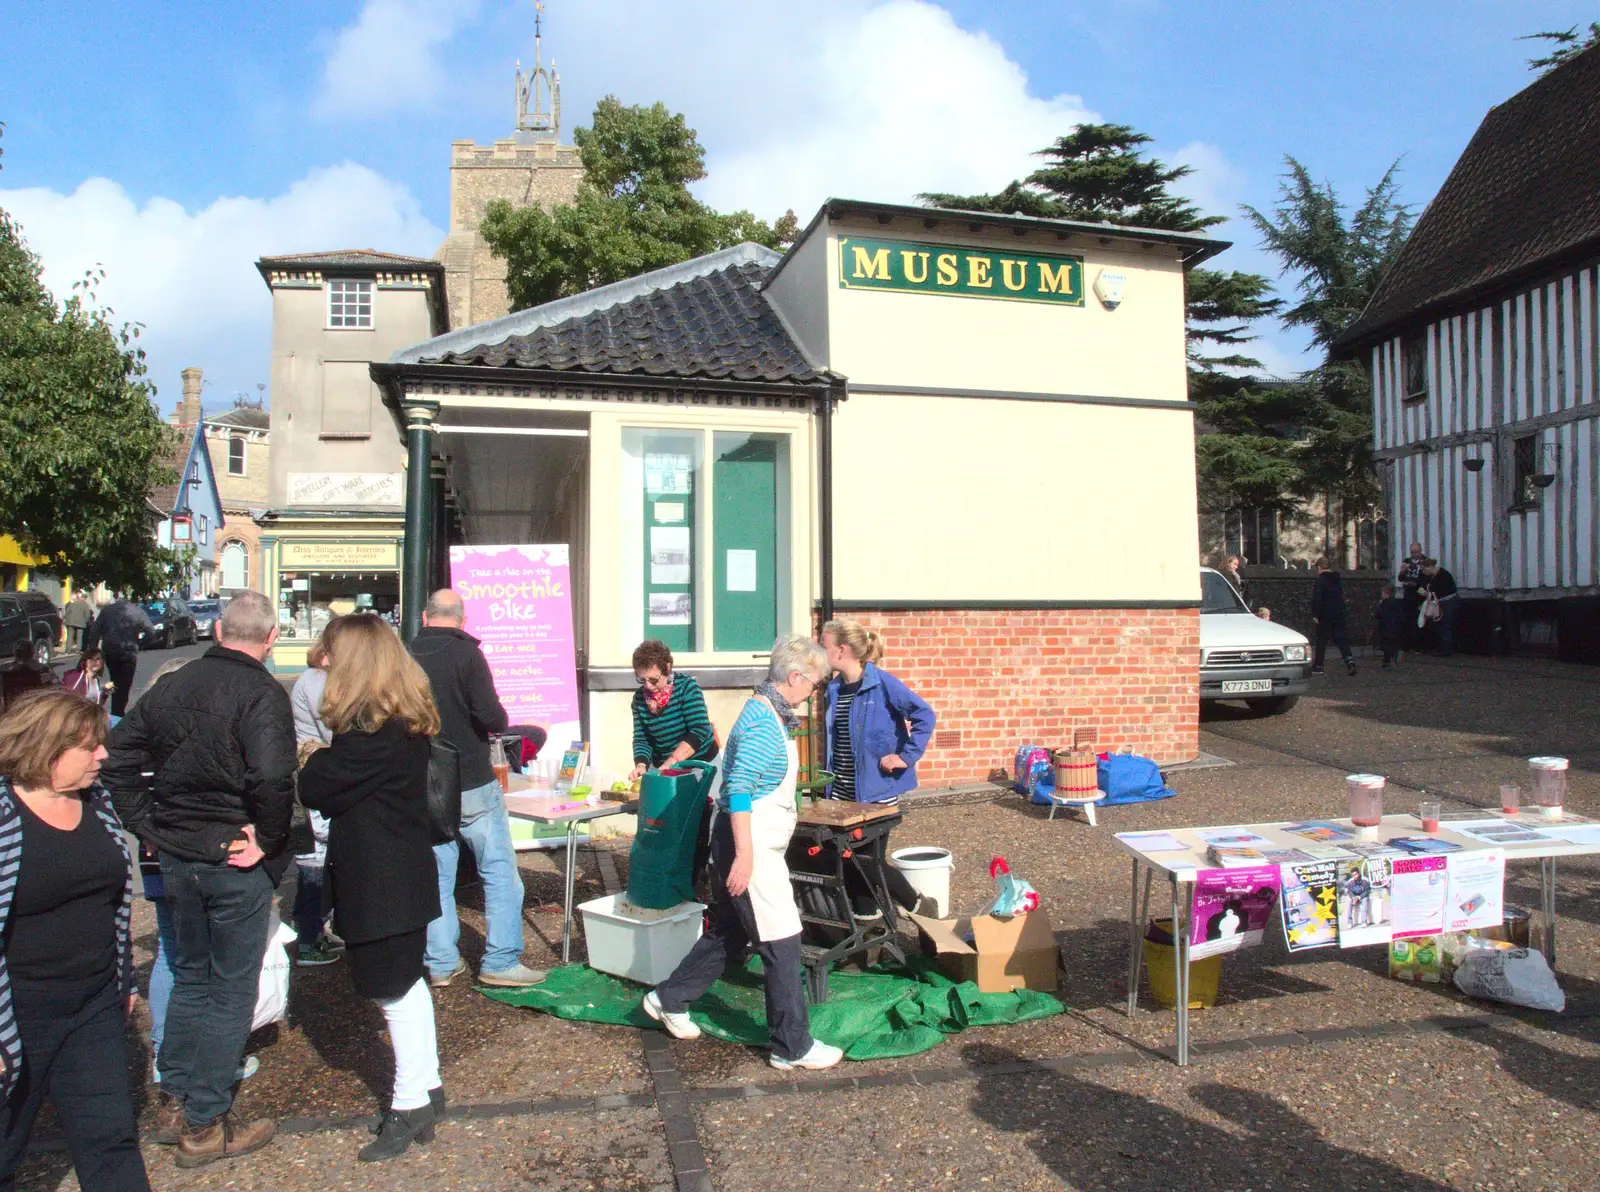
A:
<point x="844" y="758"/>
<point x="756" y="760"/>
<point x="98" y="800"/>
<point x="683" y="719"/>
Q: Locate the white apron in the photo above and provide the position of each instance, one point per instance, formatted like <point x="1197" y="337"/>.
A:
<point x="772" y="820"/>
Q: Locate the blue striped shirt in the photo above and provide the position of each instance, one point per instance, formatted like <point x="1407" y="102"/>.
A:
<point x="756" y="758"/>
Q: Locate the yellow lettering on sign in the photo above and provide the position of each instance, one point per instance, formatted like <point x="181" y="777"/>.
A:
<point x="946" y="265"/>
<point x="1005" y="273"/>
<point x="909" y="260"/>
<point x="1054" y="281"/>
<point x="869" y="265"/>
<point x="978" y="273"/>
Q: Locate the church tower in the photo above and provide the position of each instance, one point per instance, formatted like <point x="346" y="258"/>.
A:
<point x="531" y="166"/>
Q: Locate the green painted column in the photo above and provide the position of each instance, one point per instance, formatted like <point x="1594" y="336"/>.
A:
<point x="419" y="516"/>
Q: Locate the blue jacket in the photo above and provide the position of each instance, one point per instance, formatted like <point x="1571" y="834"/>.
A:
<point x="886" y="717"/>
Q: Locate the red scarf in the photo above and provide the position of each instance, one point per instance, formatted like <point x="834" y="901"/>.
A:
<point x="657" y="701"/>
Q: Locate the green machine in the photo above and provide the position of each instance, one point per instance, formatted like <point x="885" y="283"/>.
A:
<point x="661" y="863"/>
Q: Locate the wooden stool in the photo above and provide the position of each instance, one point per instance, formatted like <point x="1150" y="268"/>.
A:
<point x="1084" y="803"/>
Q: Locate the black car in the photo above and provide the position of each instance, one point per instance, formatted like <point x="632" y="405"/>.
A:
<point x="30" y="626"/>
<point x="171" y="624"/>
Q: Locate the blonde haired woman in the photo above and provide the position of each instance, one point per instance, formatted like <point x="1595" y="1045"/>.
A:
<point x="371" y="782"/>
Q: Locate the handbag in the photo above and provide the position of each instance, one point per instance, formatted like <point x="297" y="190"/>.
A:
<point x="1430" y="611"/>
<point x="444" y="791"/>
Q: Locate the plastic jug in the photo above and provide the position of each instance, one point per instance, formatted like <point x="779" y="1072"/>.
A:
<point x="661" y="862"/>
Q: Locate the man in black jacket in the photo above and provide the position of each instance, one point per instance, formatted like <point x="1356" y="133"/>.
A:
<point x="115" y="633"/>
<point x="470" y="710"/>
<point x="1327" y="610"/>
<point x="203" y="770"/>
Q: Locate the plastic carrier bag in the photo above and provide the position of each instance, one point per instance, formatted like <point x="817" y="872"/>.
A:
<point x="1012" y="895"/>
<point x="1518" y="976"/>
<point x="1129" y="778"/>
<point x="1035" y="774"/>
<point x="272" y="997"/>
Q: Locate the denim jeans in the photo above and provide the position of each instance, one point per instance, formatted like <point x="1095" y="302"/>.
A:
<point x="1449" y="613"/>
<point x="220" y="917"/>
<point x="308" y="920"/>
<point x="161" y="973"/>
<point x="486" y="830"/>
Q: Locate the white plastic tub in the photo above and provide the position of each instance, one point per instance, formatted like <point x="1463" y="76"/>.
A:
<point x="927" y="868"/>
<point x="640" y="948"/>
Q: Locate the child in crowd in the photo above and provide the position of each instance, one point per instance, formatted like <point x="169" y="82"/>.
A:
<point x="1264" y="613"/>
<point x="1392" y="612"/>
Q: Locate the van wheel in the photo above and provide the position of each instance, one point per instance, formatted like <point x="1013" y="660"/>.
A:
<point x="41" y="651"/>
<point x="1276" y="706"/>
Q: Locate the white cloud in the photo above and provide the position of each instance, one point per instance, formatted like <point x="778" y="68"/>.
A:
<point x="387" y="61"/>
<point x="189" y="276"/>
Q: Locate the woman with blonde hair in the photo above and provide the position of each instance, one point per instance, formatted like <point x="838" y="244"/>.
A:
<point x="371" y="782"/>
<point x="66" y="955"/>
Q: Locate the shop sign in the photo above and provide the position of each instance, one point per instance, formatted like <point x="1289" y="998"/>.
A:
<point x="346" y="489"/>
<point x="339" y="556"/>
<point x="908" y="267"/>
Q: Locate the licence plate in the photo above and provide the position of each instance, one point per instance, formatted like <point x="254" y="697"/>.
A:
<point x="1240" y="686"/>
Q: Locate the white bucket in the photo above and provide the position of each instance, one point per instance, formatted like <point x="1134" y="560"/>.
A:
<point x="928" y="870"/>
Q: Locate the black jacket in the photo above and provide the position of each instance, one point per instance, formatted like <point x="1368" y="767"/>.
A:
<point x="1393" y="613"/>
<point x="1327" y="598"/>
<point x="381" y="877"/>
<point x="115" y="632"/>
<point x="463" y="688"/>
<point x="205" y="751"/>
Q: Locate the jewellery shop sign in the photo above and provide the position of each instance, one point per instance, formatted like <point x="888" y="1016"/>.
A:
<point x="908" y="267"/>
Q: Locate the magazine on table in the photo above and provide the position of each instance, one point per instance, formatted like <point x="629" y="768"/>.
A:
<point x="1424" y="846"/>
<point x="1321" y="831"/>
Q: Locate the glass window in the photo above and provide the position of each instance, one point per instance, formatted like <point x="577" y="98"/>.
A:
<point x="308" y="600"/>
<point x="750" y="523"/>
<point x="349" y="303"/>
<point x="235" y="566"/>
<point x="1526" y="457"/>
<point x="236" y="455"/>
<point x="661" y="495"/>
<point x="1414" y="361"/>
<point x="1217" y="595"/>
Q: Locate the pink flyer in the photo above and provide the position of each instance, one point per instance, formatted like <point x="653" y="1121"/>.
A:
<point x="1231" y="908"/>
<point x="1417" y="892"/>
<point x="519" y="605"/>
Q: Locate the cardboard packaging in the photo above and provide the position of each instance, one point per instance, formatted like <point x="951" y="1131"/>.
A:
<point x="1005" y="954"/>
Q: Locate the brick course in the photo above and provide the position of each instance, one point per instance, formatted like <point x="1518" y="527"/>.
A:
<point x="1005" y="678"/>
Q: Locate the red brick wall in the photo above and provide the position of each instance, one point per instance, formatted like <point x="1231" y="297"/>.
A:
<point x="1001" y="679"/>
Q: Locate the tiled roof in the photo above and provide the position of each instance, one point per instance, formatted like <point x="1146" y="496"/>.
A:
<point x="244" y="417"/>
<point x="1526" y="192"/>
<point x="702" y="319"/>
<point x="348" y="258"/>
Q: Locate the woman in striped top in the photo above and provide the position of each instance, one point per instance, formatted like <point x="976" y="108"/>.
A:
<point x="670" y="724"/>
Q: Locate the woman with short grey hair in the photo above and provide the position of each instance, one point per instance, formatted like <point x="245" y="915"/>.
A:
<point x="754" y="902"/>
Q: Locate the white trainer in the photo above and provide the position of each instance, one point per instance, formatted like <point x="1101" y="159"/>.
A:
<point x="679" y="1026"/>
<point x="821" y="1055"/>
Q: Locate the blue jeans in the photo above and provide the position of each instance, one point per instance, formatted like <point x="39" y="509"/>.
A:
<point x="486" y="830"/>
<point x="161" y="977"/>
<point x="1449" y="613"/>
<point x="219" y="917"/>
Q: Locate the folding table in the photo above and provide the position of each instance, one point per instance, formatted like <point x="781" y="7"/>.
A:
<point x="570" y="810"/>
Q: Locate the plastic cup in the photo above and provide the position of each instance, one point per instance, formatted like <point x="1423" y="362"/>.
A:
<point x="1510" y="798"/>
<point x="1428" y="813"/>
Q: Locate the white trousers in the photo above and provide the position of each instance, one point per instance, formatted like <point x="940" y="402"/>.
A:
<point x="416" y="1049"/>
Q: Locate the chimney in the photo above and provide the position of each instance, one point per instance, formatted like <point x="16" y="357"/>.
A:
<point x="189" y="411"/>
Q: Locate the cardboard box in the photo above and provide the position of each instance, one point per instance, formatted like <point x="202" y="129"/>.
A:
<point x="1005" y="954"/>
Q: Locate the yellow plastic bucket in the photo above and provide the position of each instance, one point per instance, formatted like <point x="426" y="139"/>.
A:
<point x="1204" y="974"/>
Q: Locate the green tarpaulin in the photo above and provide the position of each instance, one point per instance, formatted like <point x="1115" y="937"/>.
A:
<point x="873" y="1015"/>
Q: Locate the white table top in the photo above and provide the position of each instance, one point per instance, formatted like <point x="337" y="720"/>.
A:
<point x="1182" y="866"/>
<point x="547" y="807"/>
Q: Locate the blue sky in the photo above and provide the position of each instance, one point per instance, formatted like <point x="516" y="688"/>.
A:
<point x="175" y="150"/>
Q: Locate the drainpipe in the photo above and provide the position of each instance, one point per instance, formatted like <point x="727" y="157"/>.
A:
<point x="825" y="503"/>
<point x="419" y="520"/>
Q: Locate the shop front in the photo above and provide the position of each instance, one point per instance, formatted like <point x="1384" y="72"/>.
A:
<point x="320" y="568"/>
<point x="969" y="431"/>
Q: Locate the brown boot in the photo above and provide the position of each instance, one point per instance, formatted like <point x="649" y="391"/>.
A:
<point x="222" y="1138"/>
<point x="169" y="1120"/>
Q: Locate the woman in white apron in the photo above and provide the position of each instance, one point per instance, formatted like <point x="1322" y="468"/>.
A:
<point x="755" y="906"/>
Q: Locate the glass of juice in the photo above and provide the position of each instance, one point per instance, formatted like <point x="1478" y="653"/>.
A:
<point x="1510" y="798"/>
<point x="1428" y="814"/>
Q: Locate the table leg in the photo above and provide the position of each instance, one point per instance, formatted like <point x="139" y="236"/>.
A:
<point x="1547" y="884"/>
<point x="566" y="923"/>
<point x="1135" y="949"/>
<point x="1180" y="968"/>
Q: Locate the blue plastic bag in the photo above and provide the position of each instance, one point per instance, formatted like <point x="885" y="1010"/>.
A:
<point x="1128" y="778"/>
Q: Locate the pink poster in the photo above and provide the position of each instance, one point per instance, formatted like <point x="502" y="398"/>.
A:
<point x="1231" y="908"/>
<point x="519" y="605"/>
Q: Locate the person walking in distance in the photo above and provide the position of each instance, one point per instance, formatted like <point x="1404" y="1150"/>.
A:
<point x="372" y="784"/>
<point x="203" y="770"/>
<point x="1327" y="610"/>
<point x="77" y="617"/>
<point x="115" y="633"/>
<point x="469" y="711"/>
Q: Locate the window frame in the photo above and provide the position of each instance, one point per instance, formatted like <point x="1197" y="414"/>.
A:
<point x="1414" y="347"/>
<point x="1524" y="465"/>
<point x="242" y="443"/>
<point x="337" y="288"/>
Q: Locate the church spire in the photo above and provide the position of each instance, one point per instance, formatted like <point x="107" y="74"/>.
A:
<point x="539" y="91"/>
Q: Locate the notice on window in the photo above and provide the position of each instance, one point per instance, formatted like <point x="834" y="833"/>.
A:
<point x="669" y="511"/>
<point x="1477" y="889"/>
<point x="669" y="556"/>
<point x="741" y="571"/>
<point x="670" y="608"/>
<point x="666" y="474"/>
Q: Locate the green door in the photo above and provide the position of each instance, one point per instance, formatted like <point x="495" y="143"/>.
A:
<point x="745" y="542"/>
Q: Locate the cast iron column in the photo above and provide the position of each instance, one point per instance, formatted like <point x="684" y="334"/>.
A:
<point x="419" y="519"/>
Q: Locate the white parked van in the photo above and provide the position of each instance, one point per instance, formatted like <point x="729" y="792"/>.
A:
<point x="1265" y="664"/>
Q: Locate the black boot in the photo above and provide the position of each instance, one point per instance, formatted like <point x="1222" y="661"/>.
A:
<point x="398" y="1130"/>
<point x="436" y="1102"/>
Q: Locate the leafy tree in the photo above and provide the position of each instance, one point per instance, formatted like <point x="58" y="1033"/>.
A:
<point x="1339" y="257"/>
<point x="633" y="212"/>
<point x="1569" y="43"/>
<point x="82" y="442"/>
<point x="1099" y="174"/>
